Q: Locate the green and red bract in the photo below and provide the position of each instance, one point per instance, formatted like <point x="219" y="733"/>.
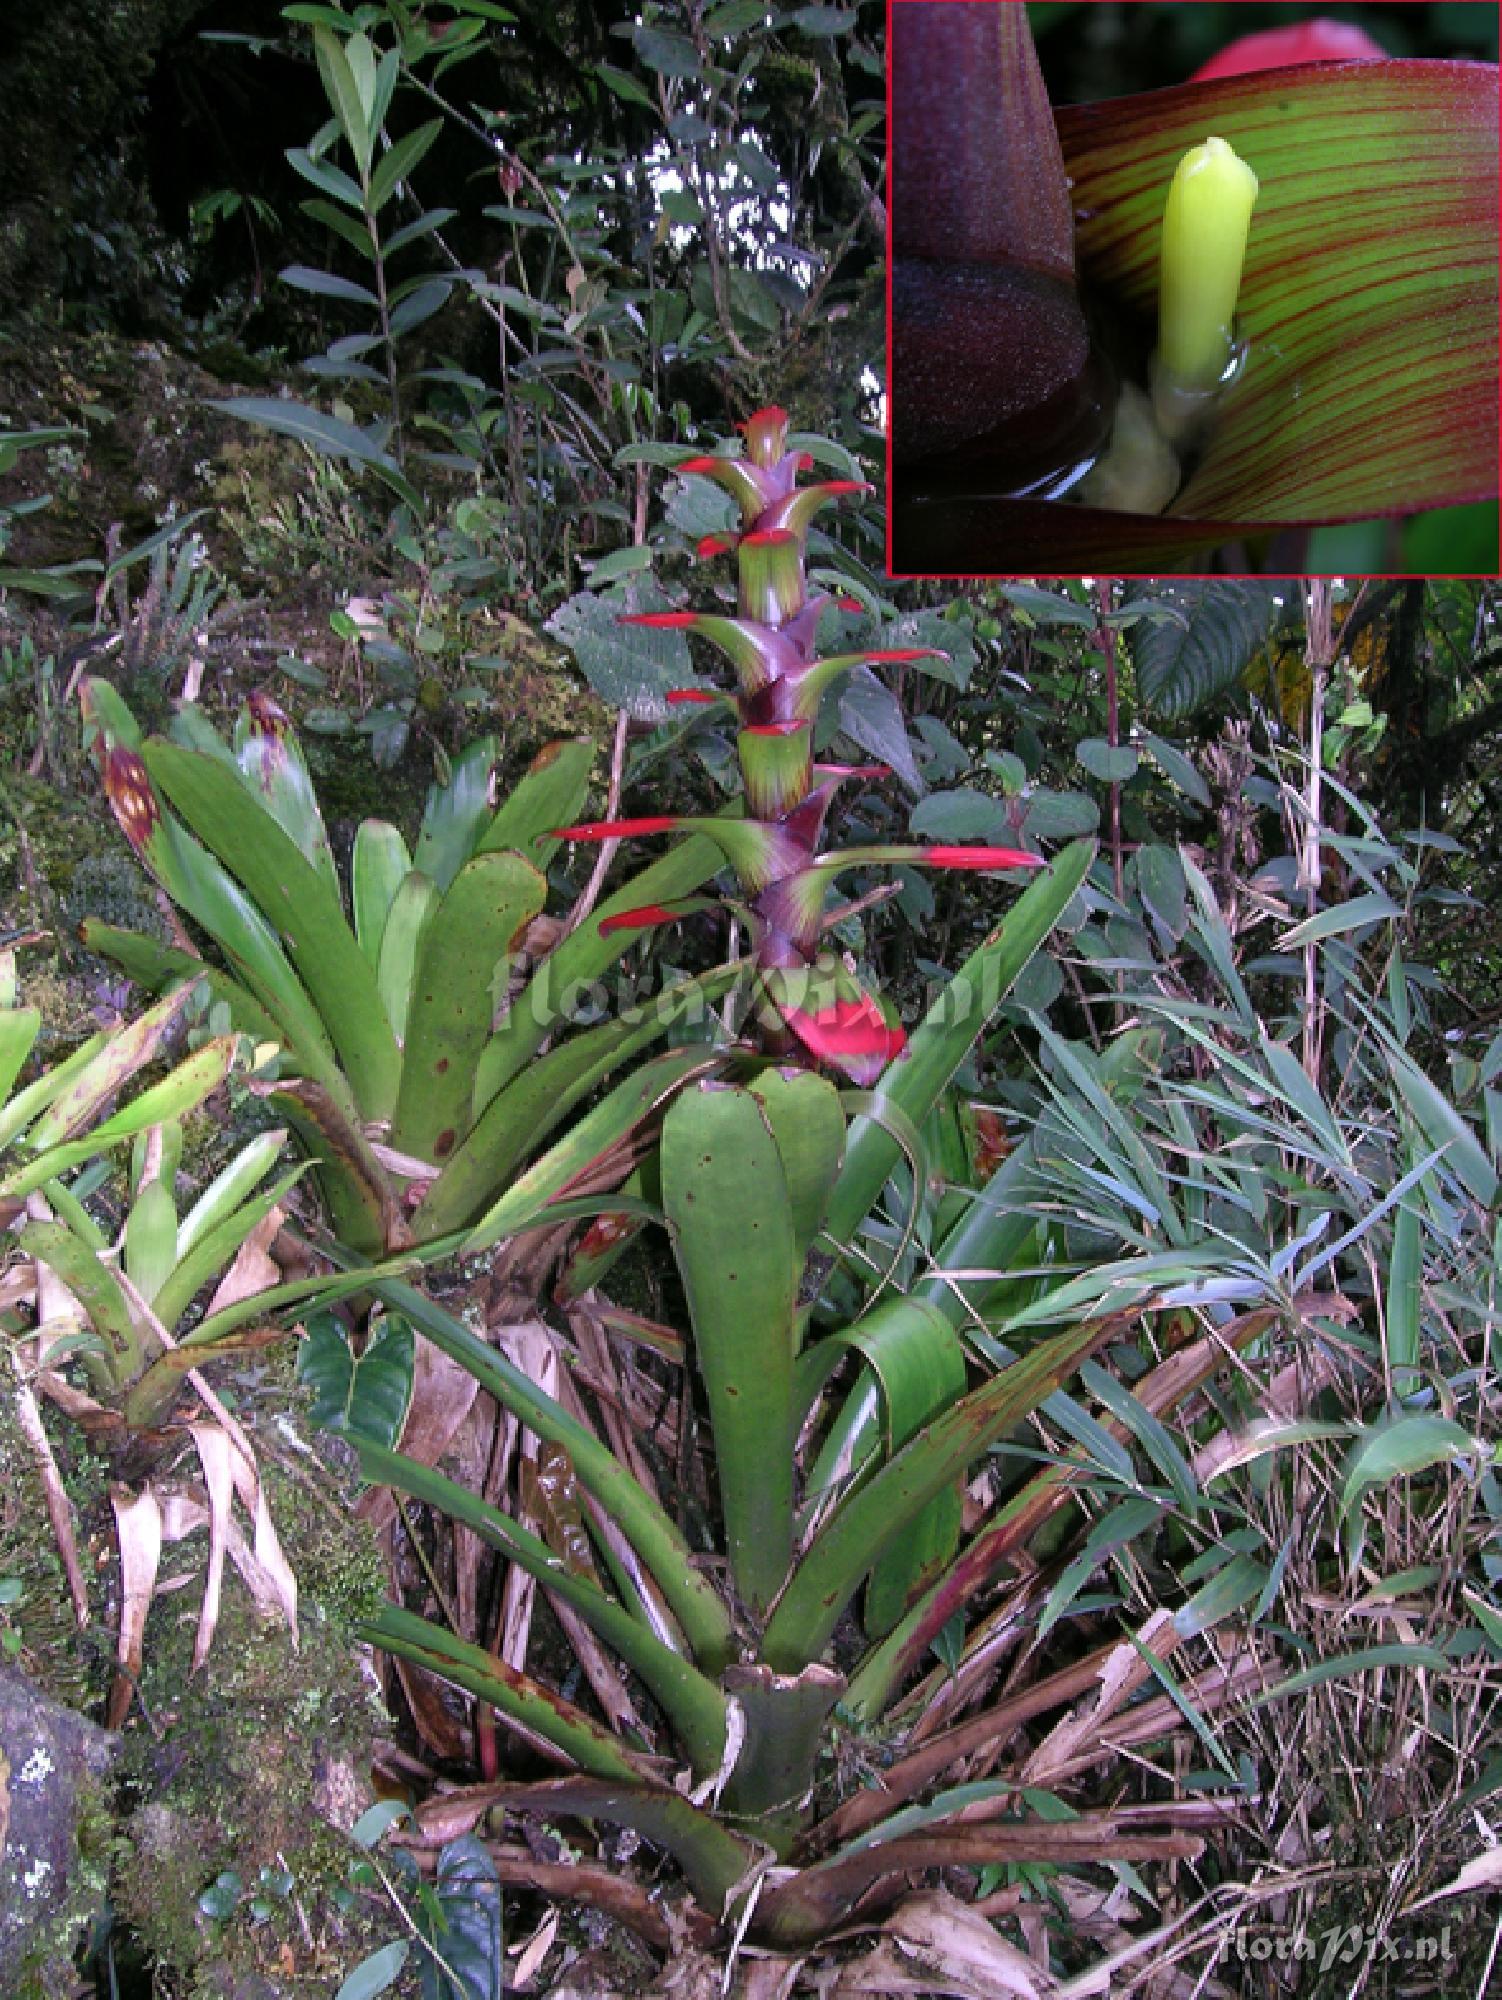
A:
<point x="781" y="681"/>
<point x="1368" y="306"/>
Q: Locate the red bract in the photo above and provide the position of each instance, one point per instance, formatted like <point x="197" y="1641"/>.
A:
<point x="642" y="919"/>
<point x="1319" y="40"/>
<point x="849" y="1032"/>
<point x="614" y="829"/>
<point x="980" y="857"/>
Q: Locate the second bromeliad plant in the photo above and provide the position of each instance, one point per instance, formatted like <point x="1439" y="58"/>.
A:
<point x="835" y="1554"/>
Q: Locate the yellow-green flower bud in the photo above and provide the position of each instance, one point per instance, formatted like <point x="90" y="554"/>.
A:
<point x="1204" y="245"/>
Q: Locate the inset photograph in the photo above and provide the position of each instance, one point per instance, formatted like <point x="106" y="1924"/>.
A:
<point x="1192" y="287"/>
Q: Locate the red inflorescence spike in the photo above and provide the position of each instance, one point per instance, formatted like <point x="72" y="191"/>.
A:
<point x="661" y="621"/>
<point x="613" y="829"/>
<point x="714" y="545"/>
<point x="980" y="857"/>
<point x="676" y="696"/>
<point x="638" y="920"/>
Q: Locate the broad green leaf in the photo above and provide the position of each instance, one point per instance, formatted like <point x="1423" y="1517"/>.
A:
<point x="551" y="792"/>
<point x="1177" y="768"/>
<point x="401" y="940"/>
<point x="151" y="1239"/>
<point x="695" y="1704"/>
<point x="918" y="1360"/>
<point x="459" y="977"/>
<point x="1186" y="661"/>
<point x="585" y="956"/>
<point x="808" y="1124"/>
<point x="726" y="1198"/>
<point x="846" y="1548"/>
<point x="157" y="966"/>
<point x="379" y="866"/>
<point x="1368" y="304"/>
<point x="656" y="1538"/>
<point x="1113" y="764"/>
<point x="275" y="773"/>
<point x="961" y="815"/>
<point x="365" y="1395"/>
<point x="517" y="1119"/>
<point x="455" y="812"/>
<point x="402" y="160"/>
<point x="327" y="284"/>
<point x="94" y="1285"/>
<point x="376" y="1974"/>
<point x="122" y="1055"/>
<point x="465" y="1929"/>
<point x="297" y="900"/>
<point x="218" y="1245"/>
<point x="19" y="1027"/>
<point x="175" y="1096"/>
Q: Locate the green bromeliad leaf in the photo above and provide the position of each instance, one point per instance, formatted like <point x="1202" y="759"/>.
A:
<point x="1369" y="305"/>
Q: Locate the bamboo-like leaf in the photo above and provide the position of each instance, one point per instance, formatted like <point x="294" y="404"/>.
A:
<point x="913" y="1082"/>
<point x="1369" y="305"/>
<point x="298" y="902"/>
<point x="726" y="1198"/>
<point x="463" y="961"/>
<point x="1399" y="1449"/>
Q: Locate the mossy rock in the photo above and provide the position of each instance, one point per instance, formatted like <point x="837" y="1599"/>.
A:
<point x="53" y="1767"/>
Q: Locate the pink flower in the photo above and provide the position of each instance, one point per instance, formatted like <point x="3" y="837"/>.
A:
<point x="1278" y="48"/>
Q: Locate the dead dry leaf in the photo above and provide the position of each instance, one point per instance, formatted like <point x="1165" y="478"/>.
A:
<point x="138" y="1531"/>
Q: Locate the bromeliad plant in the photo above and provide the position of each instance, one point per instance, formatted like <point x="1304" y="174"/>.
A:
<point x="790" y="1640"/>
<point x="810" y="1002"/>
<point x="413" y="1068"/>
<point x="1367" y="306"/>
